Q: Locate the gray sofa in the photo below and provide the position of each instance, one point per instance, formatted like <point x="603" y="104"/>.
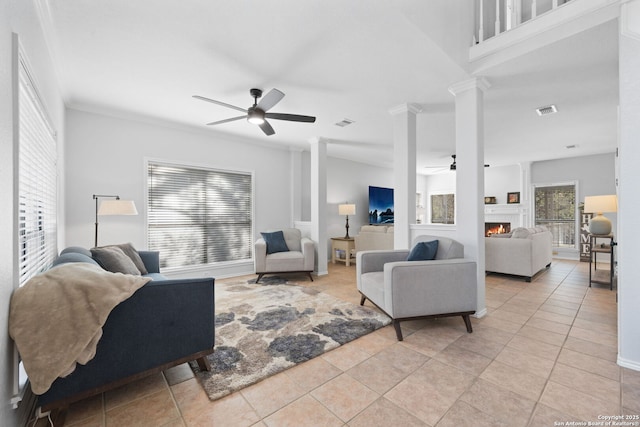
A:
<point x="523" y="252"/>
<point x="374" y="237"/>
<point x="163" y="324"/>
<point x="407" y="290"/>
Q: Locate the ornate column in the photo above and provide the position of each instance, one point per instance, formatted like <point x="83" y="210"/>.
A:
<point x="319" y="202"/>
<point x="470" y="175"/>
<point x="404" y="172"/>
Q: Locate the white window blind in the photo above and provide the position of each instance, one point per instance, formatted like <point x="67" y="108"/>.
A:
<point x="37" y="181"/>
<point x="199" y="216"/>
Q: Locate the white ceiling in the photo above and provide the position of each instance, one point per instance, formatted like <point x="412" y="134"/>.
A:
<point x="333" y="59"/>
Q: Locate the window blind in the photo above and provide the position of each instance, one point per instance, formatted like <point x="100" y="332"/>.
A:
<point x="199" y="216"/>
<point x="37" y="181"/>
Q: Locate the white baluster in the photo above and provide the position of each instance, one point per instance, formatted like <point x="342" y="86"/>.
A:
<point x="497" y="17"/>
<point x="554" y="4"/>
<point x="481" y="30"/>
<point x="534" y="9"/>
<point x="508" y="15"/>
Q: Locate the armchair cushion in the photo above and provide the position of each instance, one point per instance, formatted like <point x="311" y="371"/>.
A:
<point x="424" y="251"/>
<point x="275" y="242"/>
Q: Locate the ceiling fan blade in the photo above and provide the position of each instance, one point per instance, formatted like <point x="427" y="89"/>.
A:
<point x="232" y="119"/>
<point x="290" y="117"/>
<point x="270" y="99"/>
<point x="266" y="128"/>
<point x="224" y="104"/>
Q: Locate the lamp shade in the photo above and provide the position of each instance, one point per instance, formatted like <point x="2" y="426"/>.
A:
<point x="600" y="204"/>
<point x="347" y="209"/>
<point x="117" y="207"/>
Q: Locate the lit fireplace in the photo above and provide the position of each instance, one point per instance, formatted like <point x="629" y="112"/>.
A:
<point x="496" y="228"/>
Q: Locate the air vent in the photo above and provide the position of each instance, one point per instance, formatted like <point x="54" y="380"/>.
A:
<point x="549" y="109"/>
<point x="344" y="122"/>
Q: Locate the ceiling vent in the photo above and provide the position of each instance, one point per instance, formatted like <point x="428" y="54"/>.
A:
<point x="344" y="122"/>
<point x="549" y="109"/>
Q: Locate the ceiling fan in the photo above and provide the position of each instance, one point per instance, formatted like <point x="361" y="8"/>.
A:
<point x="452" y="167"/>
<point x="258" y="112"/>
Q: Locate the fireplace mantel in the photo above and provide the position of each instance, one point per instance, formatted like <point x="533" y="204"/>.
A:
<point x="516" y="214"/>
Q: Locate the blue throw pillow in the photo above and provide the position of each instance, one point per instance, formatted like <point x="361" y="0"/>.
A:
<point x="275" y="242"/>
<point x="424" y="251"/>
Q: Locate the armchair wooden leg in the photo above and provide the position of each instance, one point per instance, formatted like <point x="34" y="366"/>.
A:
<point x="259" y="277"/>
<point x="310" y="277"/>
<point x="203" y="364"/>
<point x="362" y="299"/>
<point x="467" y="322"/>
<point x="396" y="325"/>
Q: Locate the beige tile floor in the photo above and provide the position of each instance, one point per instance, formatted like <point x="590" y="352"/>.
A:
<point x="545" y="354"/>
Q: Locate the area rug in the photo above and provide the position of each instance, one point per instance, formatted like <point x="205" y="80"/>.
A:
<point x="265" y="328"/>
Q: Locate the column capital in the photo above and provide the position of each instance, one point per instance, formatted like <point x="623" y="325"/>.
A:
<point x="405" y="108"/>
<point x="472" y="83"/>
<point x="318" y="140"/>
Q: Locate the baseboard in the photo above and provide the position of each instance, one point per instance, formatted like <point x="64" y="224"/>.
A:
<point x="480" y="314"/>
<point x="630" y="364"/>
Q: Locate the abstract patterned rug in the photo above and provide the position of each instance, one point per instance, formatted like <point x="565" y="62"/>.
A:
<point x="266" y="328"/>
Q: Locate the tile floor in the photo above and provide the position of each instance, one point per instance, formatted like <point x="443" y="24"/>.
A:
<point x="544" y="355"/>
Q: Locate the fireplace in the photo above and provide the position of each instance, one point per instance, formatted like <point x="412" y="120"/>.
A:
<point x="496" y="228"/>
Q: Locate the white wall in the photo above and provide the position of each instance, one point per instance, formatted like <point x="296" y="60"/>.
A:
<point x="20" y="17"/>
<point x="106" y="155"/>
<point x="500" y="180"/>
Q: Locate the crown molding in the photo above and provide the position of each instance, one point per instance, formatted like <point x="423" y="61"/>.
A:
<point x="405" y="108"/>
<point x="472" y="83"/>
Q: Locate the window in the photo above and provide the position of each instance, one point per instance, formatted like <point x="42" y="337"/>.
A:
<point x="37" y="180"/>
<point x="442" y="208"/>
<point x="555" y="209"/>
<point x="199" y="216"/>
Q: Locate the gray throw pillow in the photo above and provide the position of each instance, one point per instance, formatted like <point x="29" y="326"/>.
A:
<point x="132" y="253"/>
<point x="424" y="251"/>
<point x="275" y="242"/>
<point x="113" y="259"/>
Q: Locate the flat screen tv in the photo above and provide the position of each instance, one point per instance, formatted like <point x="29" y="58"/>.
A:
<point x="380" y="205"/>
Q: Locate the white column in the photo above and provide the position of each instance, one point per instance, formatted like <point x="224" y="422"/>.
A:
<point x="295" y="157"/>
<point x="404" y="173"/>
<point x="319" y="202"/>
<point x="628" y="233"/>
<point x="470" y="175"/>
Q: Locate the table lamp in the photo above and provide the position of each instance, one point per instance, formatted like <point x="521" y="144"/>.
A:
<point x="347" y="209"/>
<point x="599" y="224"/>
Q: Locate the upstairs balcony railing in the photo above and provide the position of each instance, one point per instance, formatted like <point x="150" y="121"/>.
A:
<point x="498" y="16"/>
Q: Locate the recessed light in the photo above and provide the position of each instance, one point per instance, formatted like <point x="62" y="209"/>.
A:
<point x="549" y="109"/>
<point x="344" y="122"/>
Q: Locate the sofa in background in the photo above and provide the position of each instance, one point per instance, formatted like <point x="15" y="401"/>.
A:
<point x="374" y="237"/>
<point x="163" y="324"/>
<point x="523" y="252"/>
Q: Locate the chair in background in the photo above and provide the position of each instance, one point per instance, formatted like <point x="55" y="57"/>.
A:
<point x="409" y="290"/>
<point x="284" y="251"/>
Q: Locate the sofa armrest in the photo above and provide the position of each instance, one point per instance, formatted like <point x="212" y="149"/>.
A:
<point x="308" y="253"/>
<point x="162" y="322"/>
<point x="260" y="255"/>
<point x="368" y="261"/>
<point x="151" y="260"/>
<point x="419" y="288"/>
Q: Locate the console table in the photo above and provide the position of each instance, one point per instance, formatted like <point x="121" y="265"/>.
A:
<point x="604" y="277"/>
<point x="342" y="244"/>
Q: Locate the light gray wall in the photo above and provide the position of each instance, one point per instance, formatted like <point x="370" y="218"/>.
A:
<point x="107" y="155"/>
<point x="20" y="17"/>
<point x="595" y="175"/>
<point x="500" y="180"/>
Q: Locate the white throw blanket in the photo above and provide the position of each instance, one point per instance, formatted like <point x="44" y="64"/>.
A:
<point x="56" y="318"/>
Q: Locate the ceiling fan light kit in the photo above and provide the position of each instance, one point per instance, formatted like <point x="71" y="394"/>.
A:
<point x="257" y="114"/>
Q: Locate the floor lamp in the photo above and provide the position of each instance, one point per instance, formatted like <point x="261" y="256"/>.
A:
<point x="113" y="207"/>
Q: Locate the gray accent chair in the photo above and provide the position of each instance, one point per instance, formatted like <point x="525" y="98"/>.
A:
<point x="409" y="290"/>
<point x="299" y="259"/>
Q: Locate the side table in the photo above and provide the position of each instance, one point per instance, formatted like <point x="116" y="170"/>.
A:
<point x="342" y="244"/>
<point x="601" y="276"/>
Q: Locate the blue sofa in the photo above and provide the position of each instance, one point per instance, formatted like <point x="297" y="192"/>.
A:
<point x="163" y="324"/>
